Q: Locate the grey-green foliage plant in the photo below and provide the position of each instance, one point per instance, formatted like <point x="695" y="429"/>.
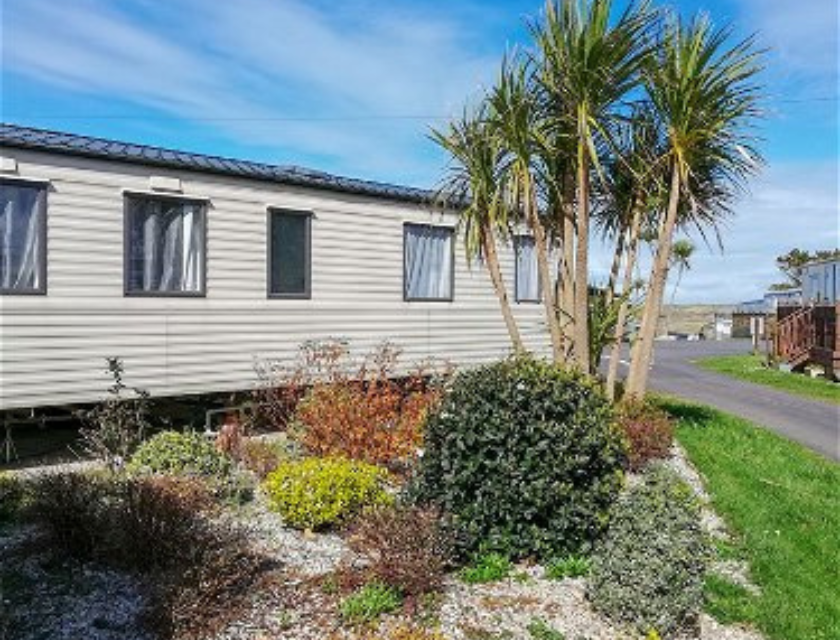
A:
<point x="649" y="569"/>
<point x="116" y="426"/>
<point x="525" y="457"/>
<point x="171" y="452"/>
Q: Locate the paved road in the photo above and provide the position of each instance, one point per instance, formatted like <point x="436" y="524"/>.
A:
<point x="813" y="423"/>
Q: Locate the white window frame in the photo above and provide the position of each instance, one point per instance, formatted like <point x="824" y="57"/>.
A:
<point x="128" y="291"/>
<point x="517" y="244"/>
<point x="41" y="266"/>
<point x="407" y="297"/>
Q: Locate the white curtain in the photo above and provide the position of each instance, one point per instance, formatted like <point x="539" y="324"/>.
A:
<point x="527" y="275"/>
<point x="428" y="262"/>
<point x="167" y="246"/>
<point x="21" y="237"/>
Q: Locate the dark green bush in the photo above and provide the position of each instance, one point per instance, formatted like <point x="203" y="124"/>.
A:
<point x="526" y="458"/>
<point x="649" y="569"/>
<point x="172" y="452"/>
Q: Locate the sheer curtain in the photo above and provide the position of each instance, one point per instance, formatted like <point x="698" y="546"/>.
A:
<point x="166" y="241"/>
<point x="21" y="237"/>
<point x="527" y="276"/>
<point x="428" y="262"/>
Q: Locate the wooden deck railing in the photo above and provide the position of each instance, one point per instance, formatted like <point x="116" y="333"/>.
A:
<point x="808" y="334"/>
<point x="796" y="335"/>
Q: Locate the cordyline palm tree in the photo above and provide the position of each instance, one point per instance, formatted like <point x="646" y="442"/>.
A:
<point x="514" y="118"/>
<point x="594" y="63"/>
<point x="473" y="185"/>
<point x="681" y="254"/>
<point x="636" y="194"/>
<point x="705" y="96"/>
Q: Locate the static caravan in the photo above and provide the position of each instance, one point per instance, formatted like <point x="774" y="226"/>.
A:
<point x="191" y="268"/>
<point x="821" y="282"/>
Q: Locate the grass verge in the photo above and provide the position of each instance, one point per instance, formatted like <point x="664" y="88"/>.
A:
<point x="751" y="368"/>
<point x="782" y="502"/>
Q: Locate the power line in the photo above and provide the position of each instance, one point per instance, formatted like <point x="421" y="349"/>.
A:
<point x="350" y="118"/>
<point x="336" y="118"/>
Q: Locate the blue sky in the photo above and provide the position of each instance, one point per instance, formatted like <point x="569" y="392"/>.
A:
<point x="352" y="88"/>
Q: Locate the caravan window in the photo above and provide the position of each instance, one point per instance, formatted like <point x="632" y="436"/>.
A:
<point x="23" y="238"/>
<point x="289" y="258"/>
<point x="165" y="246"/>
<point x="527" y="277"/>
<point x="428" y="259"/>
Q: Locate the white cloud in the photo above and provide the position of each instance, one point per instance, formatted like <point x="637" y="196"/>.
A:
<point x="260" y="68"/>
<point x="792" y="205"/>
<point x="802" y="38"/>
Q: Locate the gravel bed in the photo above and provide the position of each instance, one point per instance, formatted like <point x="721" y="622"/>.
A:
<point x="508" y="607"/>
<point x="307" y="554"/>
<point x="68" y="601"/>
<point x="43" y="597"/>
<point x="712" y="523"/>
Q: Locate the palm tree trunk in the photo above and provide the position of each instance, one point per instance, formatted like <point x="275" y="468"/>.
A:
<point x="581" y="315"/>
<point x="544" y="273"/>
<point x="627" y="282"/>
<point x="566" y="276"/>
<point x="492" y="257"/>
<point x="643" y="349"/>
<point x="680" y="269"/>
<point x="559" y="282"/>
<point x="616" y="264"/>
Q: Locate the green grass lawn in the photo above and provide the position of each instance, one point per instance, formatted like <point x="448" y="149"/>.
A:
<point x="782" y="502"/>
<point x="752" y="369"/>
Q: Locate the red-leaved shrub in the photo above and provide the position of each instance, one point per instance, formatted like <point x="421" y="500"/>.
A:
<point x="649" y="431"/>
<point x="405" y="547"/>
<point x="365" y="412"/>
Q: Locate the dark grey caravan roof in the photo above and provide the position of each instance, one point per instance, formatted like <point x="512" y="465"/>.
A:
<point x="78" y="145"/>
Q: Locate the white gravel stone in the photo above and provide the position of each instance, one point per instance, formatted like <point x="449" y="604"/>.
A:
<point x="308" y="554"/>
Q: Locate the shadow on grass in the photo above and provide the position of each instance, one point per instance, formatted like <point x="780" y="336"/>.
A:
<point x="689" y="415"/>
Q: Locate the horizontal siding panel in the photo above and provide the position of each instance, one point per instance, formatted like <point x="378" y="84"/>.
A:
<point x="54" y="347"/>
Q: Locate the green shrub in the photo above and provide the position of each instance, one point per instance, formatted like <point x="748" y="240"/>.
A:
<point x="174" y="453"/>
<point x="487" y="567"/>
<point x="525" y="456"/>
<point x="541" y="630"/>
<point x="318" y="492"/>
<point x="649" y="569"/>
<point x="12" y="492"/>
<point x="568" y="567"/>
<point x="370" y="602"/>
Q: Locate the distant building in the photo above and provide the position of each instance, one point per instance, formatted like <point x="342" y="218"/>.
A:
<point x="750" y="318"/>
<point x="806" y="331"/>
<point x="821" y="282"/>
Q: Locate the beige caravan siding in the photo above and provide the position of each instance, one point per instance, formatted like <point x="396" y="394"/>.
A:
<point x="54" y="347"/>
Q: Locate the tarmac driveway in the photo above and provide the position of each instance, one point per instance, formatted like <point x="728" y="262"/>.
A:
<point x="812" y="423"/>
